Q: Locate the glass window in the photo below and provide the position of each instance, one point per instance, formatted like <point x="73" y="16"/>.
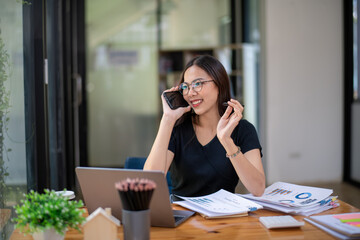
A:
<point x="122" y="85"/>
<point x="131" y="59"/>
<point x="12" y="120"/>
<point x="183" y="27"/>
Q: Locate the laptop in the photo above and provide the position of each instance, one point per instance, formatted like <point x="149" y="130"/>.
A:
<point x="98" y="189"/>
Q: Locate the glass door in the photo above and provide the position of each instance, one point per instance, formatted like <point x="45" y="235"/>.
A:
<point x="13" y="181"/>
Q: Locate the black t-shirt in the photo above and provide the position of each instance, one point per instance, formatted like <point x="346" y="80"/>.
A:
<point x="200" y="170"/>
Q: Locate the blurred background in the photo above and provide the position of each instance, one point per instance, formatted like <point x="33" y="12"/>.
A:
<point x="81" y="81"/>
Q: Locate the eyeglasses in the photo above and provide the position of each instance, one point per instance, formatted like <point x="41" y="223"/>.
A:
<point x="196" y="85"/>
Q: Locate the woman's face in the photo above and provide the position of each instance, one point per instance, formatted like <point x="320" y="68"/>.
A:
<point x="204" y="100"/>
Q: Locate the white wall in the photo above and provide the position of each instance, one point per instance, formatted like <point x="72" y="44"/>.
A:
<point x="303" y="92"/>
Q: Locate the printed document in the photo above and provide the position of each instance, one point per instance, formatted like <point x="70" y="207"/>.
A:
<point x="292" y="195"/>
<point x="220" y="203"/>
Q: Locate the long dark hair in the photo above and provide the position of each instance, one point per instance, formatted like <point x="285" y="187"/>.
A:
<point x="216" y="70"/>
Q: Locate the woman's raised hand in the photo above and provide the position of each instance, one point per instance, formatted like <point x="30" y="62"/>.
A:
<point x="229" y="120"/>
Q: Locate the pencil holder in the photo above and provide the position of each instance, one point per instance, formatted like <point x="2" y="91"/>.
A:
<point x="136" y="224"/>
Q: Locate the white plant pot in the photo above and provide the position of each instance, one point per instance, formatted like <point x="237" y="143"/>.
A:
<point x="48" y="234"/>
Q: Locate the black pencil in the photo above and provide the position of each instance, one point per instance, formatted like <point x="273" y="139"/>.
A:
<point x="135" y="194"/>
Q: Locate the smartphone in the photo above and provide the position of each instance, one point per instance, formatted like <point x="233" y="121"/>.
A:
<point x="175" y="99"/>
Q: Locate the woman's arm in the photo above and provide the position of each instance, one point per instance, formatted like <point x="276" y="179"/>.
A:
<point x="160" y="157"/>
<point x="248" y="166"/>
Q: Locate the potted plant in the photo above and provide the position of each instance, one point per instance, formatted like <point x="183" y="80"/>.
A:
<point x="47" y="213"/>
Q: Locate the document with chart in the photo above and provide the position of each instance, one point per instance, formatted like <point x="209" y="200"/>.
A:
<point x="219" y="204"/>
<point x="292" y="195"/>
<point x="295" y="199"/>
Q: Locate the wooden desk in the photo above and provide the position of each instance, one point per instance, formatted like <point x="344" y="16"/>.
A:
<point x="228" y="228"/>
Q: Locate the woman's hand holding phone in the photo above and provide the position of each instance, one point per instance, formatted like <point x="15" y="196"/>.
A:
<point x="177" y="111"/>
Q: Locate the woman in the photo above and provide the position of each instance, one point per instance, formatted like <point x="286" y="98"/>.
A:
<point x="207" y="146"/>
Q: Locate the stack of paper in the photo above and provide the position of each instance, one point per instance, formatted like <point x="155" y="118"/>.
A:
<point x="220" y="204"/>
<point x="341" y="226"/>
<point x="295" y="199"/>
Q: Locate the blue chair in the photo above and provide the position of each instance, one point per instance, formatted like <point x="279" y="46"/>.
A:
<point x="138" y="163"/>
